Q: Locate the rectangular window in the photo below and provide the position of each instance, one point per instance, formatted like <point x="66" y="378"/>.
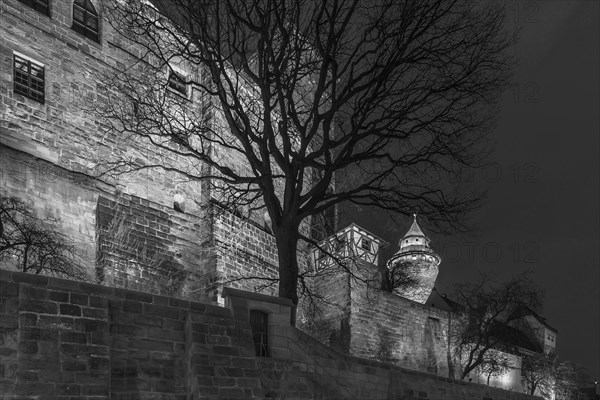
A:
<point x="28" y="78"/>
<point x="259" y="323"/>
<point x="85" y="19"/>
<point x="177" y="83"/>
<point x="365" y="244"/>
<point x="42" y="6"/>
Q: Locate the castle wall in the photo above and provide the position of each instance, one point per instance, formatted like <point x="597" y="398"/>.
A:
<point x="64" y="338"/>
<point x="397" y="330"/>
<point x="151" y="248"/>
<point x="243" y="251"/>
<point x="54" y="193"/>
<point x="51" y="153"/>
<point x="64" y="130"/>
<point x="325" y="313"/>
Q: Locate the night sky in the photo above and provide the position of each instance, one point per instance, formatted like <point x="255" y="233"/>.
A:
<point x="542" y="211"/>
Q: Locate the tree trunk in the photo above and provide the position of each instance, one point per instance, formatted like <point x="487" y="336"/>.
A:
<point x="287" y="242"/>
<point x="533" y="387"/>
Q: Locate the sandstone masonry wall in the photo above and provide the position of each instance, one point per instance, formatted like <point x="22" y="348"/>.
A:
<point x="244" y="251"/>
<point x="64" y="130"/>
<point x="398" y="330"/>
<point x="63" y="339"/>
<point x="49" y="154"/>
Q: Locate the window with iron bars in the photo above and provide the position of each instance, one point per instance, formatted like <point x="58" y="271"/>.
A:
<point x="259" y="323"/>
<point x="28" y="78"/>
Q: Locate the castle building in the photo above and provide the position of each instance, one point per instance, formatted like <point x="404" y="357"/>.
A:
<point x="129" y="230"/>
<point x="418" y="262"/>
<point x="412" y="325"/>
<point x="160" y="233"/>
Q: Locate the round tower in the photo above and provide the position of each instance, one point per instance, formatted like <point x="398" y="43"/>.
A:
<point x="415" y="264"/>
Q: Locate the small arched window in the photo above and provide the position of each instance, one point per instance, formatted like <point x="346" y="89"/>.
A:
<point x="85" y="19"/>
<point x="259" y="323"/>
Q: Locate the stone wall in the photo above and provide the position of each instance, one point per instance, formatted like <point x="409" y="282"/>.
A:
<point x="50" y="155"/>
<point x="65" y="130"/>
<point x="398" y="330"/>
<point x="54" y="192"/>
<point x="243" y="251"/>
<point x="66" y="338"/>
<point x="63" y="339"/>
<point x="148" y="247"/>
<point x="357" y="318"/>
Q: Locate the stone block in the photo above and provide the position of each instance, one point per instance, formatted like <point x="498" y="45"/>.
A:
<point x="38" y="306"/>
<point x="33" y="292"/>
<point x="77" y="298"/>
<point x="94" y="313"/>
<point x="98" y="302"/>
<point x="9" y="289"/>
<point x="30" y="278"/>
<point x="70" y="309"/>
<point x="132" y="306"/>
<point x="58" y="296"/>
<point x="152" y="345"/>
<point x="161" y="311"/>
<point x="71" y="389"/>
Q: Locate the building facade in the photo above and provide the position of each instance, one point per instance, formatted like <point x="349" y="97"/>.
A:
<point x="160" y="233"/>
<point x="53" y="145"/>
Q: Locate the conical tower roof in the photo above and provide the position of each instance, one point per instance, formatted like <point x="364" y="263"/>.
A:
<point x="414" y="236"/>
<point x="415" y="229"/>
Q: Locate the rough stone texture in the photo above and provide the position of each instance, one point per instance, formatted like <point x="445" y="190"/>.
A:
<point x="244" y="250"/>
<point x="145" y="246"/>
<point x="72" y="338"/>
<point x="64" y="339"/>
<point x="398" y="330"/>
<point x="49" y="154"/>
<point x="356" y="318"/>
<point x="64" y="131"/>
<point x="56" y="193"/>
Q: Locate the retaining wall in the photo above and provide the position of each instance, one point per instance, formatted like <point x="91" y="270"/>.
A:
<point x="64" y="339"/>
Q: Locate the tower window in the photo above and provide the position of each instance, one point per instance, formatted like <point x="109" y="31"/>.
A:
<point x="42" y="6"/>
<point x="85" y="19"/>
<point x="177" y="84"/>
<point x="340" y="244"/>
<point x="259" y="323"/>
<point x="28" y="78"/>
<point x="365" y="244"/>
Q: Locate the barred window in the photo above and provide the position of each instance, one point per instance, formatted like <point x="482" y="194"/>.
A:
<point x="85" y="19"/>
<point x="259" y="323"/>
<point x="177" y="83"/>
<point x="42" y="6"/>
<point x="28" y="78"/>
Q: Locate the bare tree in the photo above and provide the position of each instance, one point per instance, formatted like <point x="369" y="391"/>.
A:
<point x="538" y="374"/>
<point x="495" y="363"/>
<point x="35" y="245"/>
<point x="303" y="105"/>
<point x="490" y="313"/>
<point x="567" y="380"/>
